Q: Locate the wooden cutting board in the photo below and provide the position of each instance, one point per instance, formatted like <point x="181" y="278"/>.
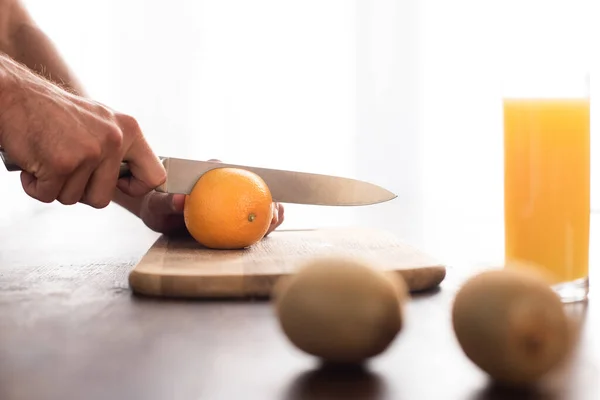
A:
<point x="180" y="267"/>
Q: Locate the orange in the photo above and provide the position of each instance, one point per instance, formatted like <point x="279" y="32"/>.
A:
<point x="228" y="208"/>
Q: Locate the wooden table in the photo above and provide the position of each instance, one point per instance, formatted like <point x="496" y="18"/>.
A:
<point x="71" y="329"/>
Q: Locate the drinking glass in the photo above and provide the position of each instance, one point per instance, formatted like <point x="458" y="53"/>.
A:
<point x="547" y="176"/>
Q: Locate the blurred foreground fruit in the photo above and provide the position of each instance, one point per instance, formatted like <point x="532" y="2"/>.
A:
<point x="511" y="324"/>
<point x="341" y="310"/>
<point x="228" y="208"/>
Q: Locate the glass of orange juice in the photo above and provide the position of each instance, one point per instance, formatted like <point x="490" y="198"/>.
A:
<point x="547" y="177"/>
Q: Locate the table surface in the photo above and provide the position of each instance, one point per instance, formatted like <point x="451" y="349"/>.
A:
<point x="70" y="328"/>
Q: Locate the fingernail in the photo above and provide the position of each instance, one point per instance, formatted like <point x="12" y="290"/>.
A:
<point x="177" y="202"/>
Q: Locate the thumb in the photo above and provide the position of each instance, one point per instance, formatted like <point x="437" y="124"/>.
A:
<point x="177" y="203"/>
<point x="146" y="169"/>
<point x="160" y="204"/>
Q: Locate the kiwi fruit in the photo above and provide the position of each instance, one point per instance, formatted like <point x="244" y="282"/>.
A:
<point x="511" y="324"/>
<point x="339" y="309"/>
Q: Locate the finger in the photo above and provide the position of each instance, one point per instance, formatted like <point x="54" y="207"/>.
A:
<point x="161" y="204"/>
<point x="102" y="184"/>
<point x="174" y="225"/>
<point x="161" y="213"/>
<point x="273" y="225"/>
<point x="178" y="202"/>
<point x="146" y="169"/>
<point x="43" y="189"/>
<point x="171" y="225"/>
<point x="74" y="188"/>
<point x="275" y="214"/>
<point x="280" y="214"/>
<point x="277" y="219"/>
<point x="146" y="175"/>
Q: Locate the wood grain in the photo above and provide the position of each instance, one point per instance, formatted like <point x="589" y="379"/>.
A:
<point x="180" y="267"/>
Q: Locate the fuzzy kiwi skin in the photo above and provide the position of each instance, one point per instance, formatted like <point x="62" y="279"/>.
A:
<point x="512" y="325"/>
<point x="341" y="310"/>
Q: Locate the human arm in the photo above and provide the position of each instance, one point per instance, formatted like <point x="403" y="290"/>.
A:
<point x="70" y="148"/>
<point x="25" y="42"/>
<point x="68" y="145"/>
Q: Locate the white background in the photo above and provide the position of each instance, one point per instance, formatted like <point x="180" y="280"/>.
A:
<point x="403" y="93"/>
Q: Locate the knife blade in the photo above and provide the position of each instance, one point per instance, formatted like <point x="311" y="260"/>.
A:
<point x="285" y="186"/>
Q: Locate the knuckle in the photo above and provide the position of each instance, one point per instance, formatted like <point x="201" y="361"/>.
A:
<point x="98" y="202"/>
<point x="44" y="198"/>
<point x="67" y="200"/>
<point x="64" y="164"/>
<point x="104" y="112"/>
<point x="113" y="138"/>
<point x="129" y="124"/>
<point x="41" y="189"/>
<point x="92" y="153"/>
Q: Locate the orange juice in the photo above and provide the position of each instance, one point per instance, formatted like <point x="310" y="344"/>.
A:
<point x="547" y="184"/>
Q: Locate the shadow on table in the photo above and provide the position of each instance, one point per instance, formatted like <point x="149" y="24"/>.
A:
<point x="556" y="385"/>
<point x="142" y="298"/>
<point x="497" y="392"/>
<point x="139" y="298"/>
<point x="334" y="382"/>
<point x="422" y="294"/>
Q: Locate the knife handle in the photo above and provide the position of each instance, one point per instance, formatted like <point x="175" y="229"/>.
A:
<point x="11" y="165"/>
<point x="124" y="171"/>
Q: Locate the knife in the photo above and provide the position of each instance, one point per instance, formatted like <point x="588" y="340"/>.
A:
<point x="285" y="186"/>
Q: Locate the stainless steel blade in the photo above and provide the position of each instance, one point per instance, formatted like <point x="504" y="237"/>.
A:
<point x="286" y="186"/>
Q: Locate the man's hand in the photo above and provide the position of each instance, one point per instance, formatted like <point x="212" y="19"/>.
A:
<point x="163" y="213"/>
<point x="69" y="147"/>
<point x="22" y="40"/>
